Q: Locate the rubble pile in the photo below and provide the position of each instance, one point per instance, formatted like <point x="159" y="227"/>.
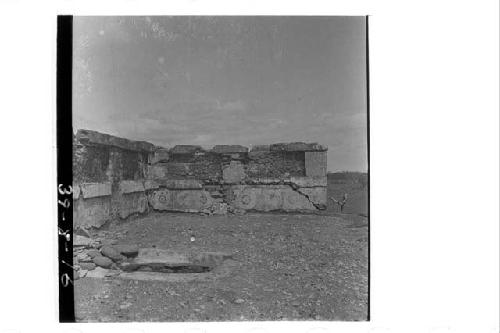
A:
<point x="88" y="254"/>
<point x="105" y="257"/>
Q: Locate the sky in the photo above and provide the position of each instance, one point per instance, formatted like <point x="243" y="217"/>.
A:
<point x="225" y="80"/>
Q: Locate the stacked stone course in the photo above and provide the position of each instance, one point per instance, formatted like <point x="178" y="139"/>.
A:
<point x="115" y="178"/>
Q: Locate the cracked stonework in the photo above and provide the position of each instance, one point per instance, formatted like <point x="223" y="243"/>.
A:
<point x="297" y="189"/>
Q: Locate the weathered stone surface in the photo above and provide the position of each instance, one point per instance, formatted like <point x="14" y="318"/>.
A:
<point x="308" y="181"/>
<point x="191" y="200"/>
<point x="92" y="190"/>
<point x="244" y="197"/>
<point x="264" y="181"/>
<point x="211" y="259"/>
<point x="111" y="253"/>
<point x="131" y="186"/>
<point x="228" y="149"/>
<point x="262" y="198"/>
<point x="185" y="149"/>
<point x="83" y="257"/>
<point x="108" y="242"/>
<point x="128" y="250"/>
<point x="295" y="201"/>
<point x="88" y="266"/>
<point x="81" y="241"/>
<point x="234" y="173"/>
<point x="151" y="184"/>
<point x="157" y="171"/>
<point x="317" y="195"/>
<point x="180" y="200"/>
<point x="92" y="137"/>
<point x="160" y="155"/>
<point x="275" y="164"/>
<point x="177" y="179"/>
<point x="161" y="200"/>
<point x="92" y="212"/>
<point x="132" y="203"/>
<point x="181" y="184"/>
<point x="269" y="198"/>
<point x="156" y="276"/>
<point x="102" y="261"/>
<point x="316" y="164"/>
<point x="154" y="255"/>
<point x="93" y="253"/>
<point x="298" y="146"/>
<point x="76" y="191"/>
<point x="219" y="208"/>
<point x="100" y="272"/>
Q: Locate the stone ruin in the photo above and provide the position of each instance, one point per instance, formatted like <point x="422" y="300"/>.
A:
<point x="115" y="178"/>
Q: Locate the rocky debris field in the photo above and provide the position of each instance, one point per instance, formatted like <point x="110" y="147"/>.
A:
<point x="286" y="267"/>
<point x="100" y="251"/>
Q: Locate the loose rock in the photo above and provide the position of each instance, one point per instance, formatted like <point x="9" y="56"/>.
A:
<point x="108" y="242"/>
<point x="93" y="253"/>
<point x="111" y="253"/>
<point x="104" y="262"/>
<point x="82" y="257"/>
<point x="88" y="266"/>
<point x="81" y="241"/>
<point x="128" y="250"/>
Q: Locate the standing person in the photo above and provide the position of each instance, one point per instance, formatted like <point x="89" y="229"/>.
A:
<point x="340" y="203"/>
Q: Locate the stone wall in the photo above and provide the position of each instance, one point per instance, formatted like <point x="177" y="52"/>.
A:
<point x="115" y="177"/>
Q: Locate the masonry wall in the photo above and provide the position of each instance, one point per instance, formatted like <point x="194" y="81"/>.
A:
<point x="115" y="177"/>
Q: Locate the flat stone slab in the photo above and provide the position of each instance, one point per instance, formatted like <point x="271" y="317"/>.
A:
<point x="167" y="277"/>
<point x="316" y="163"/>
<point x="298" y="146"/>
<point x="181" y="184"/>
<point x="316" y="195"/>
<point x="92" y="137"/>
<point x="160" y="256"/>
<point x="151" y="184"/>
<point x="211" y="259"/>
<point x="132" y="203"/>
<point x="92" y="212"/>
<point x="220" y="263"/>
<point x="81" y="241"/>
<point x="101" y="273"/>
<point x="180" y="200"/>
<point x="269" y="198"/>
<point x="92" y="190"/>
<point x="131" y="186"/>
<point x="223" y="270"/>
<point x="76" y="191"/>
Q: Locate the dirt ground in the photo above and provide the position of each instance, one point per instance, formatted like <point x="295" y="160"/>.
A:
<point x="288" y="267"/>
<point x="357" y="194"/>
